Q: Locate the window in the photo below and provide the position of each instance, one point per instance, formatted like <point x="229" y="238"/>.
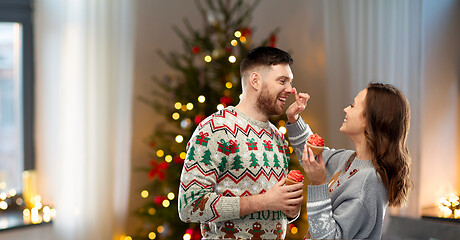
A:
<point x="16" y="93"/>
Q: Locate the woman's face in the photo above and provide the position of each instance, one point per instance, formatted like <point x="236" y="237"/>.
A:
<point x="355" y="122"/>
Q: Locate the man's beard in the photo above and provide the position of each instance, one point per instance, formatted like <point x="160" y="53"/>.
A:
<point x="267" y="104"/>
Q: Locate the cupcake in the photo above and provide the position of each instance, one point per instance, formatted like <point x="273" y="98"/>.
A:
<point x="294" y="177"/>
<point x="316" y="143"/>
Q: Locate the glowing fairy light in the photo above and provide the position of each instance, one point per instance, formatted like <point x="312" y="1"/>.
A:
<point x="220" y="107"/>
<point x="171" y="196"/>
<point x="166" y="203"/>
<point x="234" y="42"/>
<point x="232" y="59"/>
<point x="160" y="153"/>
<point x="237" y="34"/>
<point x="179" y="138"/>
<point x="152" y="211"/>
<point x="201" y="99"/>
<point x="168" y="158"/>
<point x="283" y="130"/>
<point x="144" y="193"/>
<point x="175" y="116"/>
<point x="228" y="85"/>
<point x="207" y="58"/>
<point x="177" y="105"/>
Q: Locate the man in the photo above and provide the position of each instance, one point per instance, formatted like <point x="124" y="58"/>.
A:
<point x="233" y="179"/>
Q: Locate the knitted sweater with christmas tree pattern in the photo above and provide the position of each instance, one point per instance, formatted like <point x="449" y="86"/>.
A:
<point x="228" y="156"/>
<point x="352" y="205"/>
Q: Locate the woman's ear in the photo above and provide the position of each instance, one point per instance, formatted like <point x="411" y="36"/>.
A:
<point x="255" y="81"/>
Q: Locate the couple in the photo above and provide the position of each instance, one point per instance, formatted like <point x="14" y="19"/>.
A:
<point x="233" y="178"/>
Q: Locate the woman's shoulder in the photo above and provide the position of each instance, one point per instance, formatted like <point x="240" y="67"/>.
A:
<point x="337" y="154"/>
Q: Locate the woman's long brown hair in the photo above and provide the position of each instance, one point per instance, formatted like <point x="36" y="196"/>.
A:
<point x="387" y="112"/>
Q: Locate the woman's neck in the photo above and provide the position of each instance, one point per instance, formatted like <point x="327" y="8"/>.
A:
<point x="363" y="150"/>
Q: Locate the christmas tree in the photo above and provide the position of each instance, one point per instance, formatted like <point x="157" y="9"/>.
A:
<point x="207" y="79"/>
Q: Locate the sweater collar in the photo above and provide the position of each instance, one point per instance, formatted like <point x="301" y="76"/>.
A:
<point x="250" y="120"/>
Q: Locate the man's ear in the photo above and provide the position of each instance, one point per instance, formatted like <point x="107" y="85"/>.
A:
<point x="255" y="81"/>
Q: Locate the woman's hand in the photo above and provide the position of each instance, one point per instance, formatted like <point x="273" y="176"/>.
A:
<point x="316" y="171"/>
<point x="298" y="106"/>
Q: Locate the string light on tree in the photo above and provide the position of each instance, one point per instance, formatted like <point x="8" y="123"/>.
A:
<point x="232" y="59"/>
<point x="201" y="99"/>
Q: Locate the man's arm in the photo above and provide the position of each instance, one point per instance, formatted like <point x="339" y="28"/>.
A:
<point x="277" y="198"/>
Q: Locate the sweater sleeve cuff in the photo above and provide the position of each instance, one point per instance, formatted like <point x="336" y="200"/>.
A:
<point x="317" y="193"/>
<point x="229" y="208"/>
<point x="297" y="128"/>
<point x="291" y="220"/>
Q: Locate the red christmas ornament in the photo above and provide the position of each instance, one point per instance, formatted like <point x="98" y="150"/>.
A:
<point x="178" y="160"/>
<point x="226" y="101"/>
<point x="228" y="49"/>
<point x="198" y="118"/>
<point x="158" y="169"/>
<point x="159" y="199"/>
<point x="196" y="234"/>
<point x="246" y="32"/>
<point x="196" y="49"/>
<point x="273" y="40"/>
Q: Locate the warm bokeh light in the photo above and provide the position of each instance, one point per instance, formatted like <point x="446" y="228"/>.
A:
<point x="228" y="85"/>
<point x="152" y="235"/>
<point x="234" y="42"/>
<point x="179" y="138"/>
<point x="177" y="105"/>
<point x="160" y="229"/>
<point x="175" y="116"/>
<point x="207" y="58"/>
<point x="183" y="155"/>
<point x="243" y="39"/>
<point x="171" y="196"/>
<point x="220" y="107"/>
<point x="237" y="34"/>
<point x="283" y="130"/>
<point x="187" y="236"/>
<point x="160" y="153"/>
<point x="201" y="99"/>
<point x="168" y="158"/>
<point x="189" y="106"/>
<point x="144" y="193"/>
<point x="166" y="203"/>
<point x="152" y="211"/>
<point x="232" y="59"/>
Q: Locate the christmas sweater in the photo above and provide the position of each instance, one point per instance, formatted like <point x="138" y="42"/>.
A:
<point x="229" y="156"/>
<point x="352" y="205"/>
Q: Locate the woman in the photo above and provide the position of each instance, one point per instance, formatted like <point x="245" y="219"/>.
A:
<point x="350" y="190"/>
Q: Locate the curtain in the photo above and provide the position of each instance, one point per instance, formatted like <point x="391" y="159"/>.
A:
<point x="375" y="41"/>
<point x="84" y="62"/>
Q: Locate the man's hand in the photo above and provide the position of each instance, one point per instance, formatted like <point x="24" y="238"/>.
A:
<point x="298" y="106"/>
<point x="288" y="199"/>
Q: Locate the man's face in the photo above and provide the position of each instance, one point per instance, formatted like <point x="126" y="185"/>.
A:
<point x="276" y="87"/>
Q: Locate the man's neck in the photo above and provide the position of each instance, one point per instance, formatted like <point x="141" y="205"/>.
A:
<point x="251" y="111"/>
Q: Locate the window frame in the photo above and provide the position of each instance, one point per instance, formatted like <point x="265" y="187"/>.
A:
<point x="21" y="11"/>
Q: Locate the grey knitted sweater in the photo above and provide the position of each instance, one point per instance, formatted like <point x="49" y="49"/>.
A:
<point x="352" y="205"/>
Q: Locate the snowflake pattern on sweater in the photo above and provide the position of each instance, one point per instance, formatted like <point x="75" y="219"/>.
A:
<point x="228" y="156"/>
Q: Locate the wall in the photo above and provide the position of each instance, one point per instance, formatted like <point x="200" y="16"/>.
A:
<point x="440" y="108"/>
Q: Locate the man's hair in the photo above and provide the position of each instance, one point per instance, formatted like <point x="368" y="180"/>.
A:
<point x="264" y="56"/>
